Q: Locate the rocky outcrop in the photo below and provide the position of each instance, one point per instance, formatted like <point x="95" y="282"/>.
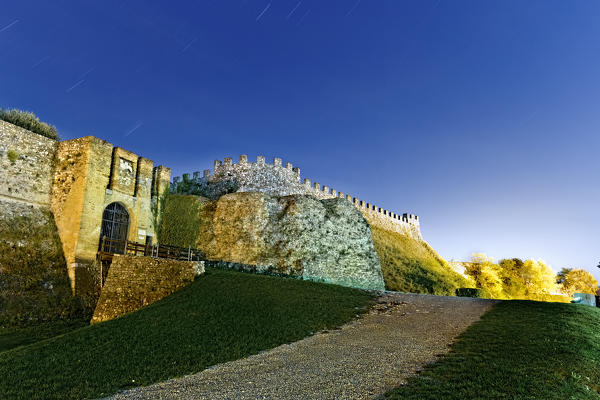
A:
<point x="326" y="240"/>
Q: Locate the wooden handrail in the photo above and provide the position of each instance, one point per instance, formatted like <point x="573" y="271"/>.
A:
<point x="108" y="247"/>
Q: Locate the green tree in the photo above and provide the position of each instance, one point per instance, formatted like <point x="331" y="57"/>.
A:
<point x="579" y="281"/>
<point x="560" y="277"/>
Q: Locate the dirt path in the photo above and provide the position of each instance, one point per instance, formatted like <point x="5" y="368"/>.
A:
<point x="361" y="360"/>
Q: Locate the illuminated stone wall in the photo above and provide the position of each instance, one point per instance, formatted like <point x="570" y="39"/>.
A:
<point x="284" y="179"/>
<point x="134" y="282"/>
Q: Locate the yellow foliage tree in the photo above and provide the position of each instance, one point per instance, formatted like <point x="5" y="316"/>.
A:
<point x="514" y="278"/>
<point x="579" y="281"/>
<point x="485" y="274"/>
<point x="539" y="279"/>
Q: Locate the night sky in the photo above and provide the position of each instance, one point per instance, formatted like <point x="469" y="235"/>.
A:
<point x="481" y="117"/>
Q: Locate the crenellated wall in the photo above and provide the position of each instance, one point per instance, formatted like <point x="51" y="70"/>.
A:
<point x="284" y="179"/>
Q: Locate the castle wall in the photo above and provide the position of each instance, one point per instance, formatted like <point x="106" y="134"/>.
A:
<point x="90" y="175"/>
<point x="33" y="273"/>
<point x="27" y="165"/>
<point x="284" y="179"/>
<point x="34" y="285"/>
<point x="134" y="282"/>
<point x="68" y="194"/>
<point x="326" y="240"/>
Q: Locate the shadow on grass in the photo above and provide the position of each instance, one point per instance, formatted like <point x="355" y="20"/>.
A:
<point x="222" y="316"/>
<point x="518" y="350"/>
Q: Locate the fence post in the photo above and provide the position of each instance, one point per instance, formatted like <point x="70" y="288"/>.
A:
<point x="189" y="256"/>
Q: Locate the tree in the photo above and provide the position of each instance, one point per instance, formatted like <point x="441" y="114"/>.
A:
<point x="560" y="277"/>
<point x="579" y="281"/>
<point x="511" y="271"/>
<point x="485" y="274"/>
<point x="539" y="279"/>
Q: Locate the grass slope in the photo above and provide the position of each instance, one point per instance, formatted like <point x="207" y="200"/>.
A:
<point x="20" y="336"/>
<point x="410" y="265"/>
<point x="518" y="350"/>
<point x="222" y="316"/>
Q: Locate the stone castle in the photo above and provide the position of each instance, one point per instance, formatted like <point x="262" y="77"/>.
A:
<point x="277" y="179"/>
<point x="81" y="182"/>
<point x="66" y="198"/>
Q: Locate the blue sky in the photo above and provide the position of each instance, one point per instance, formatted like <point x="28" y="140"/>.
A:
<point x="480" y="117"/>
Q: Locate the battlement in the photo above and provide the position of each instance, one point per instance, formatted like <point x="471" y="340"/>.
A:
<point x="283" y="179"/>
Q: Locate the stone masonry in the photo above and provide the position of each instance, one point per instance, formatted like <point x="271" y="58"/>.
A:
<point x="91" y="174"/>
<point x="27" y="164"/>
<point x="74" y="181"/>
<point x="282" y="180"/>
<point x="134" y="282"/>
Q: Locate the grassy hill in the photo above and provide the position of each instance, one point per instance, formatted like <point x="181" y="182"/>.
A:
<point x="222" y="316"/>
<point x="518" y="350"/>
<point x="411" y="265"/>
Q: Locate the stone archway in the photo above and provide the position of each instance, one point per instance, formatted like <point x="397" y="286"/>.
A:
<point x="115" y="227"/>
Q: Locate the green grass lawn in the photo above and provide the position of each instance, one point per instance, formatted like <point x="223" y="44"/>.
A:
<point x="518" y="350"/>
<point x="222" y="316"/>
<point x="21" y="336"/>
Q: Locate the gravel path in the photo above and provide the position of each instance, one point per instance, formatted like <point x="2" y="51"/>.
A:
<point x="361" y="360"/>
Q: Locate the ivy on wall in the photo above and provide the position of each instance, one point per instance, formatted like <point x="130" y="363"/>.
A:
<point x="180" y="221"/>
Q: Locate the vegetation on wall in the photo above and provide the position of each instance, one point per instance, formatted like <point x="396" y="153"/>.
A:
<point x="28" y="120"/>
<point x="12" y="155"/>
<point x="204" y="188"/>
<point x="410" y="265"/>
<point x="33" y="272"/>
<point x="180" y="223"/>
<point x="157" y="206"/>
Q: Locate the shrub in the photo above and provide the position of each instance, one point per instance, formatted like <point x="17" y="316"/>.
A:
<point x="180" y="221"/>
<point x="29" y="121"/>
<point x="470" y="292"/>
<point x="12" y="156"/>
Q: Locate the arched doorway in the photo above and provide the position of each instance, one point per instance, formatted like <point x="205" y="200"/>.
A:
<point x="115" y="226"/>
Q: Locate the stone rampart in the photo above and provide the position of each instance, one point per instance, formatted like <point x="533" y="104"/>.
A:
<point x="27" y="163"/>
<point x="34" y="285"/>
<point x="284" y="179"/>
<point x="298" y="235"/>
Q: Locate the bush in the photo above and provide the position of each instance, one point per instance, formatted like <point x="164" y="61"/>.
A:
<point x="470" y="292"/>
<point x="29" y="121"/>
<point x="180" y="221"/>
